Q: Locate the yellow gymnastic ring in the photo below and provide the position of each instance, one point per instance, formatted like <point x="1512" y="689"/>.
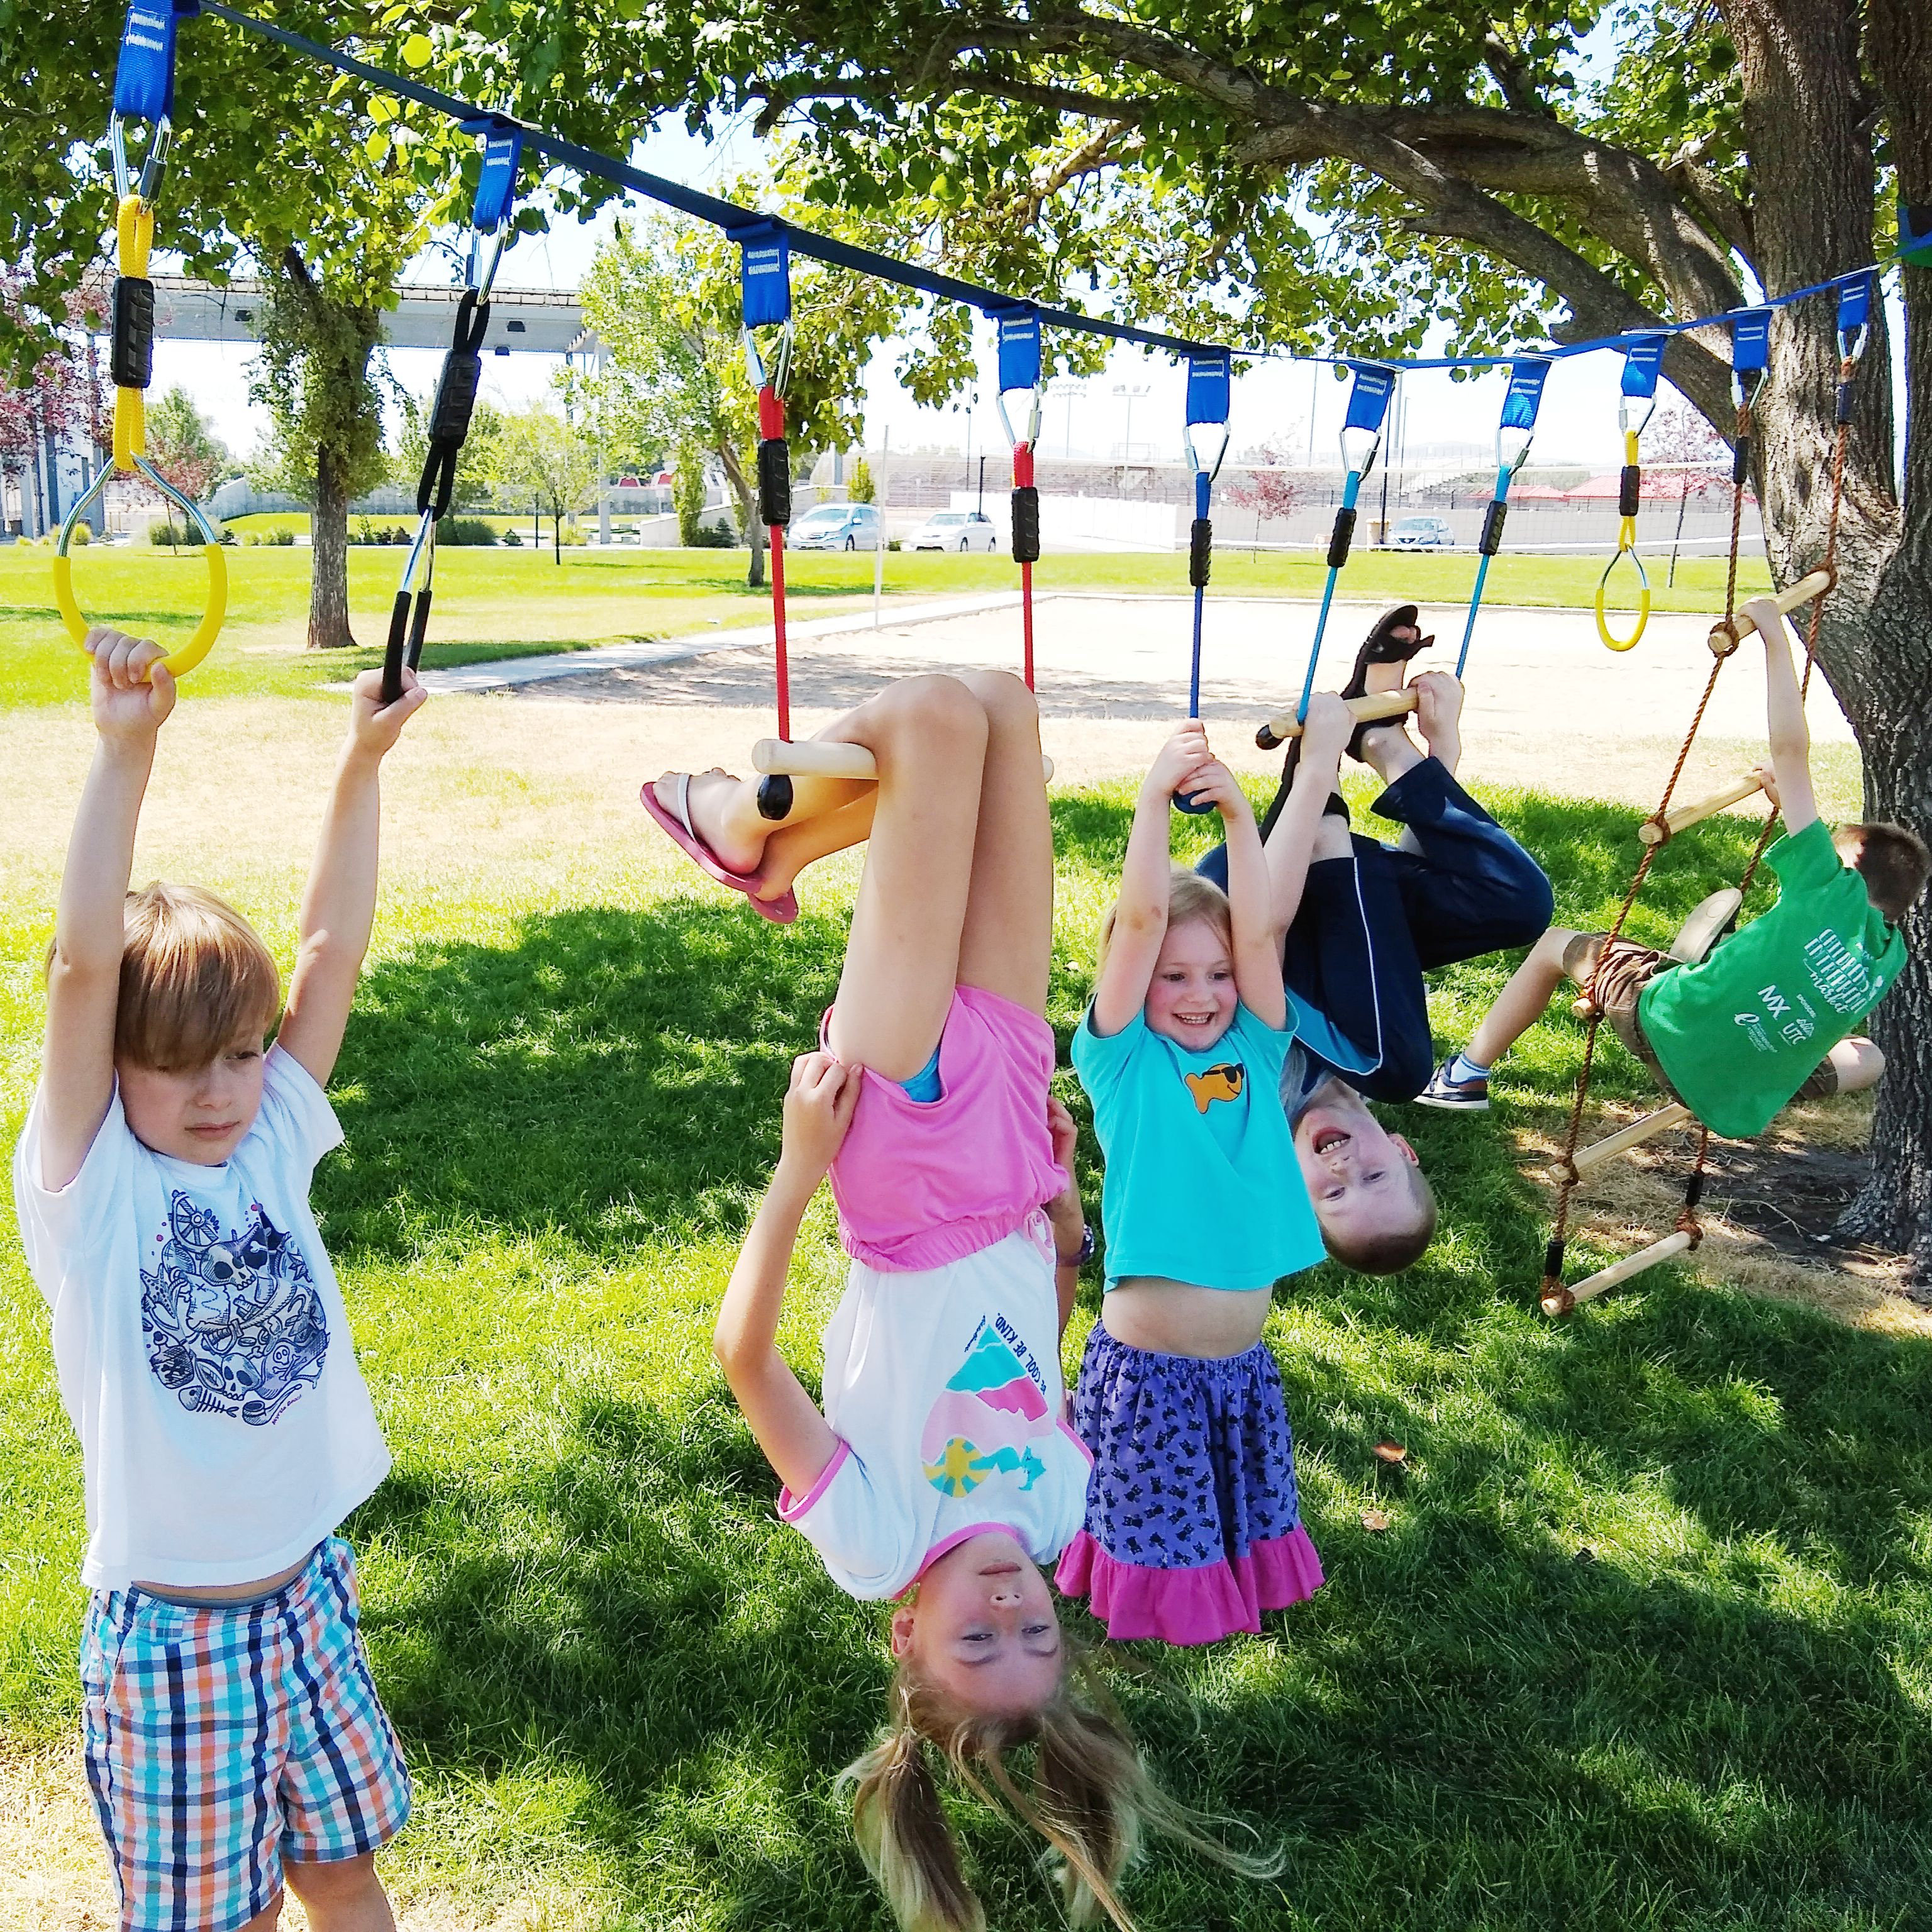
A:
<point x="1603" y="630"/>
<point x="180" y="662"/>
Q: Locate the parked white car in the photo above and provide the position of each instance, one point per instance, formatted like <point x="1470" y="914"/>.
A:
<point x="835" y="526"/>
<point x="1422" y="533"/>
<point x="955" y="529"/>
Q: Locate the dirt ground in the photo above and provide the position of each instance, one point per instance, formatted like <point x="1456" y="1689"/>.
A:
<point x="536" y="785"/>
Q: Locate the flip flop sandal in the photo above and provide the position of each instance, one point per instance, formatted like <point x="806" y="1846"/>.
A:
<point x="1382" y="646"/>
<point x="677" y="827"/>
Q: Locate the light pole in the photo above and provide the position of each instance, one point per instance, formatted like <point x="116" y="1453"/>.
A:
<point x="1068" y="387"/>
<point x="1132" y="391"/>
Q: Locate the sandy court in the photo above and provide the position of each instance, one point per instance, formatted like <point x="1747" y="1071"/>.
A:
<point x="1548" y="705"/>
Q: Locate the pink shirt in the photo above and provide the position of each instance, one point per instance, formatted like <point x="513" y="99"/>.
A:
<point x="920" y="1184"/>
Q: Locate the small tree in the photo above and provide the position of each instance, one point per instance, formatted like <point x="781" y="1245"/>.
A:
<point x="1271" y="489"/>
<point x="540" y="449"/>
<point x="687" y="494"/>
<point x="184" y="447"/>
<point x="861" y="487"/>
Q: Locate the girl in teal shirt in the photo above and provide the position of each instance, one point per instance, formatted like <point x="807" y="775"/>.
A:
<point x="1193" y="1528"/>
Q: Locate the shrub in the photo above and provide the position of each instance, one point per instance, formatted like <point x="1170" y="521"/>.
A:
<point x="281" y="538"/>
<point x="163" y="531"/>
<point x="721" y="536"/>
<point x="83" y="534"/>
<point x="862" y="489"/>
<point x="465" y="530"/>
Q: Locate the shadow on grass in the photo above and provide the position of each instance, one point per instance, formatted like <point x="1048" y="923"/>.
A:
<point x="1635" y="1650"/>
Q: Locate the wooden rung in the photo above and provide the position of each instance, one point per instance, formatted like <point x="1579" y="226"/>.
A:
<point x="1666" y="1117"/>
<point x="1285" y="724"/>
<point x="1591" y="1286"/>
<point x="825" y="758"/>
<point x="1726" y="637"/>
<point x="1735" y="792"/>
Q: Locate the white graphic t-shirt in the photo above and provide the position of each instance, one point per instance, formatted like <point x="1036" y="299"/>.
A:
<point x="201" y="1346"/>
<point x="943" y="1388"/>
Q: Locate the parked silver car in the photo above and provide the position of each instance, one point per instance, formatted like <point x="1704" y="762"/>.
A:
<point x="1422" y="533"/>
<point x="835" y="526"/>
<point x="955" y="529"/>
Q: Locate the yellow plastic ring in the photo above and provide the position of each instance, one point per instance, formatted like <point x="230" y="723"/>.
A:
<point x="1603" y="630"/>
<point x="180" y="662"/>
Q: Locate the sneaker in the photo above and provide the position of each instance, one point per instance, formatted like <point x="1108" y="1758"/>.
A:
<point x="1459" y="1096"/>
<point x="1709" y="920"/>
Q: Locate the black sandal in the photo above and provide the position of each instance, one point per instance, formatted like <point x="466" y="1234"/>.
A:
<point x="1382" y="646"/>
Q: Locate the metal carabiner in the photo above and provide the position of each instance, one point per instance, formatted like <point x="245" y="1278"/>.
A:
<point x="754" y="366"/>
<point x="152" y="162"/>
<point x="1033" y="405"/>
<point x="1210" y="470"/>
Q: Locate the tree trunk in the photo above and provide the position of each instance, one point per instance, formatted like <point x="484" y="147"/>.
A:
<point x="328" y="583"/>
<point x="556" y="531"/>
<point x="1808" y="121"/>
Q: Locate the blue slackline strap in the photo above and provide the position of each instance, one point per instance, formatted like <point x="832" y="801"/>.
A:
<point x="1855" y="300"/>
<point x="1210" y="378"/>
<point x="728" y="215"/>
<point x="496" y="178"/>
<point x="1210" y="383"/>
<point x="1643" y="364"/>
<point x="144" y="75"/>
<point x="765" y="259"/>
<point x="1018" y="329"/>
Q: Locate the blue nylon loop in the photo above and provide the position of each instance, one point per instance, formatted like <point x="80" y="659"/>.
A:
<point x="1211" y="377"/>
<point x="1525" y="393"/>
<point x="1643" y="364"/>
<point x="766" y="260"/>
<point x="1855" y="295"/>
<point x="1019" y="349"/>
<point x="497" y="180"/>
<point x="144" y="76"/>
<point x="1750" y="341"/>
<point x="1369" y="397"/>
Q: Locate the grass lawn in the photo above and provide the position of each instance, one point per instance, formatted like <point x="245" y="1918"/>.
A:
<point x="1644" y="1644"/>
<point x="492" y="603"/>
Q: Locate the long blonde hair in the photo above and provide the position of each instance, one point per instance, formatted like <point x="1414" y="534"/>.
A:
<point x="1090" y="1797"/>
<point x="1189" y="897"/>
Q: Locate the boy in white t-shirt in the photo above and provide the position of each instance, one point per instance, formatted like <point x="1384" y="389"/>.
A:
<point x="234" y="1740"/>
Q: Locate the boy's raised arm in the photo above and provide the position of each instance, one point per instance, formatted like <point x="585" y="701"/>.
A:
<point x="1258" y="982"/>
<point x="797" y="1440"/>
<point x="1789" y="735"/>
<point x="338" y="907"/>
<point x="131" y="695"/>
<point x="1291" y="841"/>
<point x="1140" y="914"/>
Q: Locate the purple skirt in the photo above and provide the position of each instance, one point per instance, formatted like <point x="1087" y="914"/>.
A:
<point x="1193" y="1526"/>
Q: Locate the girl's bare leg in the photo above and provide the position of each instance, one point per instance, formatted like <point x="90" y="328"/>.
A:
<point x="1006" y="943"/>
<point x="902" y="958"/>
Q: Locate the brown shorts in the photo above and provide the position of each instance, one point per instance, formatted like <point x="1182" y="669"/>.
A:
<point x="1631" y="968"/>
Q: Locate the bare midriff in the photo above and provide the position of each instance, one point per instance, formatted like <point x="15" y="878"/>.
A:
<point x="224" y="1593"/>
<point x="1175" y="1318"/>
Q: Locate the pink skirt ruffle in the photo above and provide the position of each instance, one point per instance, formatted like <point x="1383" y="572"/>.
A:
<point x="1194" y="1606"/>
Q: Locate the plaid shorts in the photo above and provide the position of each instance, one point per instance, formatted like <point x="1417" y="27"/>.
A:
<point x="220" y="1741"/>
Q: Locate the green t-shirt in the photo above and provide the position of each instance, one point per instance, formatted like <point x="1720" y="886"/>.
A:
<point x="1738" y="1034"/>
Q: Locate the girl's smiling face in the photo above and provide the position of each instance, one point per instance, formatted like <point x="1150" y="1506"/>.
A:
<point x="1191" y="999"/>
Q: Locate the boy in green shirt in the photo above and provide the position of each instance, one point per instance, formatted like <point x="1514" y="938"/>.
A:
<point x="1768" y="1018"/>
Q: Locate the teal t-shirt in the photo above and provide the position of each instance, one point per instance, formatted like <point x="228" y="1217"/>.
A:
<point x="1202" y="1185"/>
<point x="1738" y="1034"/>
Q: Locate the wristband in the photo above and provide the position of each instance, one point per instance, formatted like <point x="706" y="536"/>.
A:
<point x="1085" y="1253"/>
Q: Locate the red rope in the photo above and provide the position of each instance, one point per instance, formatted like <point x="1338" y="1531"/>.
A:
<point x="771" y="424"/>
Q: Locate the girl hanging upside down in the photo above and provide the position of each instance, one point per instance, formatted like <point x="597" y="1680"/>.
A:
<point x="942" y="1474"/>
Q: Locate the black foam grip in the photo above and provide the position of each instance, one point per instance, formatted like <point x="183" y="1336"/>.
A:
<point x="1026" y="524"/>
<point x="1493" y="521"/>
<point x="130" y="360"/>
<point x="419" y="626"/>
<point x="1200" y="550"/>
<point x="392" y="658"/>
<point x="1844" y="414"/>
<point x="775" y="482"/>
<point x="455" y="397"/>
<point x="1694" y="1192"/>
<point x="1741" y="463"/>
<point x="1340" y="537"/>
<point x="1553" y="1261"/>
<point x="1630" y="490"/>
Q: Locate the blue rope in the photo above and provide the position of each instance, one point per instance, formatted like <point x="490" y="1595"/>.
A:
<point x="1350" y="491"/>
